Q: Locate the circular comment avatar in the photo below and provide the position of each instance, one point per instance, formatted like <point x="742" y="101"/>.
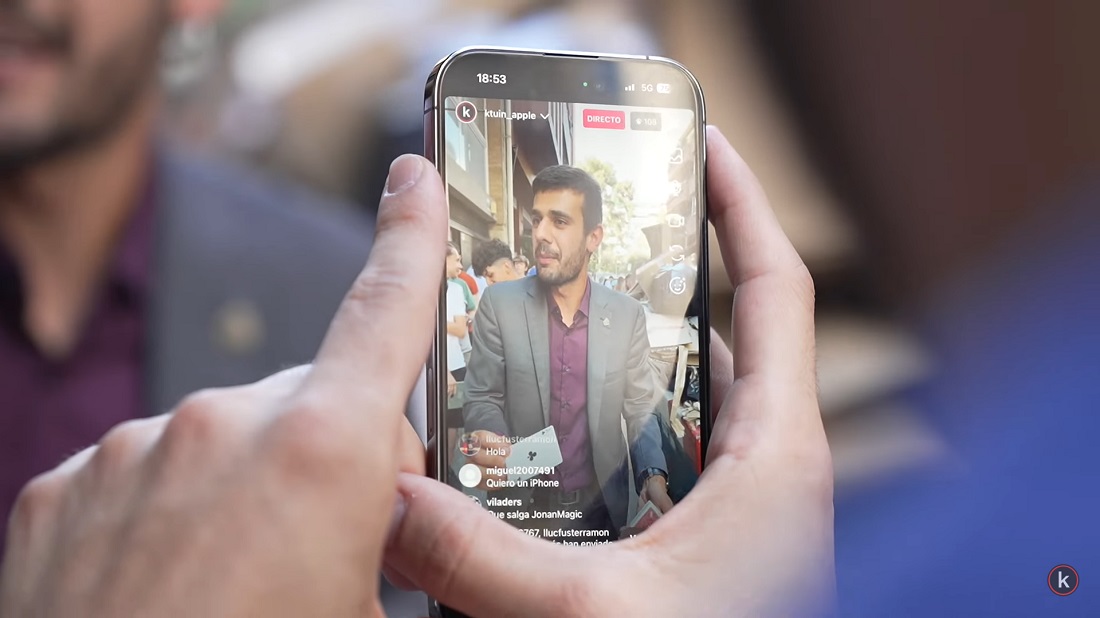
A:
<point x="469" y="475"/>
<point x="469" y="445"/>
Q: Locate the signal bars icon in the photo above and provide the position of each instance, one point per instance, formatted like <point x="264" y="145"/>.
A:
<point x="630" y="88"/>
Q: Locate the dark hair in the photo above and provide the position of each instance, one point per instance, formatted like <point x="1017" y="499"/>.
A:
<point x="487" y="253"/>
<point x="562" y="177"/>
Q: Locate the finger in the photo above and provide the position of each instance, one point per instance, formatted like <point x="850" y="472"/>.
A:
<point x="488" y="461"/>
<point x="411" y="453"/>
<point x="396" y="579"/>
<point x="773" y="303"/>
<point x="663" y="502"/>
<point x="379" y="339"/>
<point x="469" y="560"/>
<point x="721" y="372"/>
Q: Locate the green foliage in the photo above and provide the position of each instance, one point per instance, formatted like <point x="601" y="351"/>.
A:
<point x="624" y="247"/>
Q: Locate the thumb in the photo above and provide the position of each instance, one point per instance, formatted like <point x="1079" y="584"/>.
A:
<point x="470" y="560"/>
<point x="379" y="339"/>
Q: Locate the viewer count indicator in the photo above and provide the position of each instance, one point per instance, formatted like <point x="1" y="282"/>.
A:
<point x="645" y="121"/>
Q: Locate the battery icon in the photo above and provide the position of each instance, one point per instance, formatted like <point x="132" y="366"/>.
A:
<point x="664" y="88"/>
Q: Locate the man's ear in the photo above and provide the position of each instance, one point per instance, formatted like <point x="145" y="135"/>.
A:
<point x="595" y="237"/>
<point x="201" y="11"/>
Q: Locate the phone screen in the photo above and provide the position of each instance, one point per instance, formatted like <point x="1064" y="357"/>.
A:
<point x="572" y="358"/>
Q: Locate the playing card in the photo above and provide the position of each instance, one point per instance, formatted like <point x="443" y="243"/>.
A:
<point x="536" y="452"/>
<point x="648" y="514"/>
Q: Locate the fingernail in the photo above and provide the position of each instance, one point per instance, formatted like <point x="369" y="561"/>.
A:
<point x="399" y="508"/>
<point x="404" y="172"/>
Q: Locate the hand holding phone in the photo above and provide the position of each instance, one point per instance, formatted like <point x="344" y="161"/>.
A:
<point x="754" y="537"/>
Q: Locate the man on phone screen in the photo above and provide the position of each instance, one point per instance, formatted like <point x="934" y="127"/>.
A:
<point x="556" y="350"/>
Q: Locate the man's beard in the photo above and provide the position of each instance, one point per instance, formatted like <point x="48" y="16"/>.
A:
<point x="570" y="267"/>
<point x="96" y="98"/>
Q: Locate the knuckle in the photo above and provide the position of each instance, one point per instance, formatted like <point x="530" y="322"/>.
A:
<point x="38" y="499"/>
<point x="121" y="444"/>
<point x="197" y="418"/>
<point x="377" y="286"/>
<point x="447" y="554"/>
<point x="309" y="440"/>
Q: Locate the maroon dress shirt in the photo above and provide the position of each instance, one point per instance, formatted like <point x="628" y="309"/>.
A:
<point x="569" y="393"/>
<point x="52" y="408"/>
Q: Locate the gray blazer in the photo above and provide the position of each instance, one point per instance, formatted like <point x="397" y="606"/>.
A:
<point x="247" y="273"/>
<point x="508" y="379"/>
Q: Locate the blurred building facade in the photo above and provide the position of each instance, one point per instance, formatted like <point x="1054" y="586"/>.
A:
<point x="490" y="187"/>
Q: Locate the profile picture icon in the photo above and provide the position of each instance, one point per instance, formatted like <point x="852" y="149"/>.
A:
<point x="469" y="445"/>
<point x="469" y="475"/>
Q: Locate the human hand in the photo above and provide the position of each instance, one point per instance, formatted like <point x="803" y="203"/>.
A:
<point x="755" y="535"/>
<point x="271" y="499"/>
<point x="452" y="385"/>
<point x="655" y="490"/>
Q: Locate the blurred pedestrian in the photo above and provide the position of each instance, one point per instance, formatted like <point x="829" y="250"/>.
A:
<point x="132" y="272"/>
<point x="492" y="259"/>
<point x="521" y="263"/>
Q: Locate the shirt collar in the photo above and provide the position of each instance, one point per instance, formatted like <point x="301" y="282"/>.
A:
<point x="131" y="267"/>
<point x="585" y="300"/>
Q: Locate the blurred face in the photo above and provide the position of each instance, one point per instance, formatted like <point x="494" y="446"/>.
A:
<point x="500" y="270"/>
<point x="72" y="70"/>
<point x="454" y="264"/>
<point x="562" y="248"/>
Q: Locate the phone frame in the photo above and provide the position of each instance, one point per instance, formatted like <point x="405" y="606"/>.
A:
<point x="434" y="150"/>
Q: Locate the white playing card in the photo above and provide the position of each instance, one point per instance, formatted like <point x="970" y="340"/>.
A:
<point x="537" y="451"/>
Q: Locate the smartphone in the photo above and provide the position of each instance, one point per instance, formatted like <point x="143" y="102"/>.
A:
<point x="568" y="384"/>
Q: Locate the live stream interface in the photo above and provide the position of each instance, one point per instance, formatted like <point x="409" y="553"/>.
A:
<point x="572" y="332"/>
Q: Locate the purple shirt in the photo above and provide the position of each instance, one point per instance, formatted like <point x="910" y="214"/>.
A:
<point x="569" y="393"/>
<point x="50" y="409"/>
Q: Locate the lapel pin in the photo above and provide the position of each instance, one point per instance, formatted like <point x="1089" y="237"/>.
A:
<point x="606" y="322"/>
<point x="239" y="327"/>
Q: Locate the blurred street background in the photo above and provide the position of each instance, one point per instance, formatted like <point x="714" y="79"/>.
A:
<point x="934" y="163"/>
<point x="329" y="91"/>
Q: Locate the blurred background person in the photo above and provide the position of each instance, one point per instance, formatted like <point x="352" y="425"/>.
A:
<point x="456" y="318"/>
<point x="493" y="260"/>
<point x="521" y="263"/>
<point x="133" y="272"/>
<point x="465" y="284"/>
